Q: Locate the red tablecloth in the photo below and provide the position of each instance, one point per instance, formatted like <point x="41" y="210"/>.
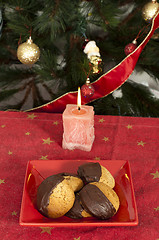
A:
<point x="37" y="136"/>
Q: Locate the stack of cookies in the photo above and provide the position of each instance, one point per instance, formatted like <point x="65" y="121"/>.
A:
<point x="85" y="194"/>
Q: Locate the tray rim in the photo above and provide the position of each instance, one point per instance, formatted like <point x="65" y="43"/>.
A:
<point x="80" y="224"/>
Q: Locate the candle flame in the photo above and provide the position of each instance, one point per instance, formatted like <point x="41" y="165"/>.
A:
<point x="79" y="98"/>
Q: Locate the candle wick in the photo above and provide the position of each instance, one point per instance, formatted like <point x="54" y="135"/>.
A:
<point x="79" y="108"/>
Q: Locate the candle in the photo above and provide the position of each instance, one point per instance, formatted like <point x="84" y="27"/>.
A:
<point x="78" y="124"/>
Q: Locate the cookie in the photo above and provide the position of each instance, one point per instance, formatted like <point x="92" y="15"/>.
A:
<point x="77" y="211"/>
<point x="94" y="172"/>
<point x="100" y="200"/>
<point x="73" y="180"/>
<point x="55" y="197"/>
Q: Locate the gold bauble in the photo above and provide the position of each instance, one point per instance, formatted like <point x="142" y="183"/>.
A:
<point x="96" y="62"/>
<point x="150" y="10"/>
<point x="28" y="52"/>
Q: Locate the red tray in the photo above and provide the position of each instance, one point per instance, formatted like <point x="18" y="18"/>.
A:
<point x="38" y="170"/>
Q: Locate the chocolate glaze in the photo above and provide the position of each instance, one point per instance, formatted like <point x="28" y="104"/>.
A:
<point x="94" y="200"/>
<point x="90" y="172"/>
<point x="44" y="191"/>
<point x="68" y="174"/>
<point x="76" y="211"/>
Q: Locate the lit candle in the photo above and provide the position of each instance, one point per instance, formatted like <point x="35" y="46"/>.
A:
<point x="78" y="124"/>
<point x="78" y="110"/>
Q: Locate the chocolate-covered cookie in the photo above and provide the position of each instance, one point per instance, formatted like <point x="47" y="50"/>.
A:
<point x="77" y="211"/>
<point x="99" y="199"/>
<point x="55" y="196"/>
<point x="73" y="180"/>
<point x="94" y="172"/>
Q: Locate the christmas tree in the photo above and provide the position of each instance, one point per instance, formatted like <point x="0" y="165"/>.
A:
<point x="58" y="32"/>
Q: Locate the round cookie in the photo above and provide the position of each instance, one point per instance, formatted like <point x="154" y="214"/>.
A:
<point x="99" y="199"/>
<point x="55" y="196"/>
<point x="94" y="172"/>
<point x="73" y="180"/>
<point x="77" y="211"/>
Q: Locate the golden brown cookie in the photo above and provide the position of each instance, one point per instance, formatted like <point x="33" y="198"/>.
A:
<point x="77" y="211"/>
<point x="73" y="180"/>
<point x="55" y="196"/>
<point x="94" y="172"/>
<point x="99" y="199"/>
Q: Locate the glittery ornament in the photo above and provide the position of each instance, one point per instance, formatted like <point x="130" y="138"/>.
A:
<point x="130" y="47"/>
<point x="93" y="55"/>
<point x="91" y="49"/>
<point x="28" y="52"/>
<point x="87" y="89"/>
<point x="96" y="64"/>
<point x="85" y="43"/>
<point x="150" y="10"/>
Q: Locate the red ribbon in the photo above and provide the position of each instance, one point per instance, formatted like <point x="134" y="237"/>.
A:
<point x="107" y="83"/>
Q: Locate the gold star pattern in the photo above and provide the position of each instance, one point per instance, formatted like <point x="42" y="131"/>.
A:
<point x="56" y="123"/>
<point x="14" y="213"/>
<point x="46" y="230"/>
<point x="47" y="141"/>
<point x="32" y="116"/>
<point x="141" y="143"/>
<point x="97" y="158"/>
<point x="44" y="157"/>
<point x="27" y="133"/>
<point x="2" y="181"/>
<point x="157" y="209"/>
<point x="129" y="126"/>
<point x="3" y="126"/>
<point x="155" y="175"/>
<point x="106" y="139"/>
<point x="77" y="238"/>
<point x="101" y="120"/>
<point x="10" y="153"/>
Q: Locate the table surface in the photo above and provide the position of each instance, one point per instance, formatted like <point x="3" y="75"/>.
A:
<point x="38" y="136"/>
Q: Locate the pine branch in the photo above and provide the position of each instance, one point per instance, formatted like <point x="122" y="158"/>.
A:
<point x="57" y="2"/>
<point x="21" y="103"/>
<point x="97" y="5"/>
<point x="58" y="28"/>
<point x="136" y="101"/>
<point x="130" y="16"/>
<point x="6" y="94"/>
<point x="10" y="49"/>
<point x="48" y="90"/>
<point x="36" y="96"/>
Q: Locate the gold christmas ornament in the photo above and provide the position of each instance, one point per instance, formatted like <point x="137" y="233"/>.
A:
<point x="28" y="52"/>
<point x="93" y="55"/>
<point x="150" y="10"/>
<point x="96" y="63"/>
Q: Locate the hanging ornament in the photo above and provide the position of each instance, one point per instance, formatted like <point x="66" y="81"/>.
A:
<point x="85" y="43"/>
<point x="87" y="90"/>
<point x="96" y="62"/>
<point x="28" y="52"/>
<point x="150" y="10"/>
<point x="130" y="47"/>
<point x="93" y="55"/>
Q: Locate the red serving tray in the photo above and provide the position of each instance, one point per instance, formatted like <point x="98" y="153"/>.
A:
<point x="38" y="170"/>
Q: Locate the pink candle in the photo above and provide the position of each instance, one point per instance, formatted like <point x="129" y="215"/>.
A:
<point x="78" y="124"/>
